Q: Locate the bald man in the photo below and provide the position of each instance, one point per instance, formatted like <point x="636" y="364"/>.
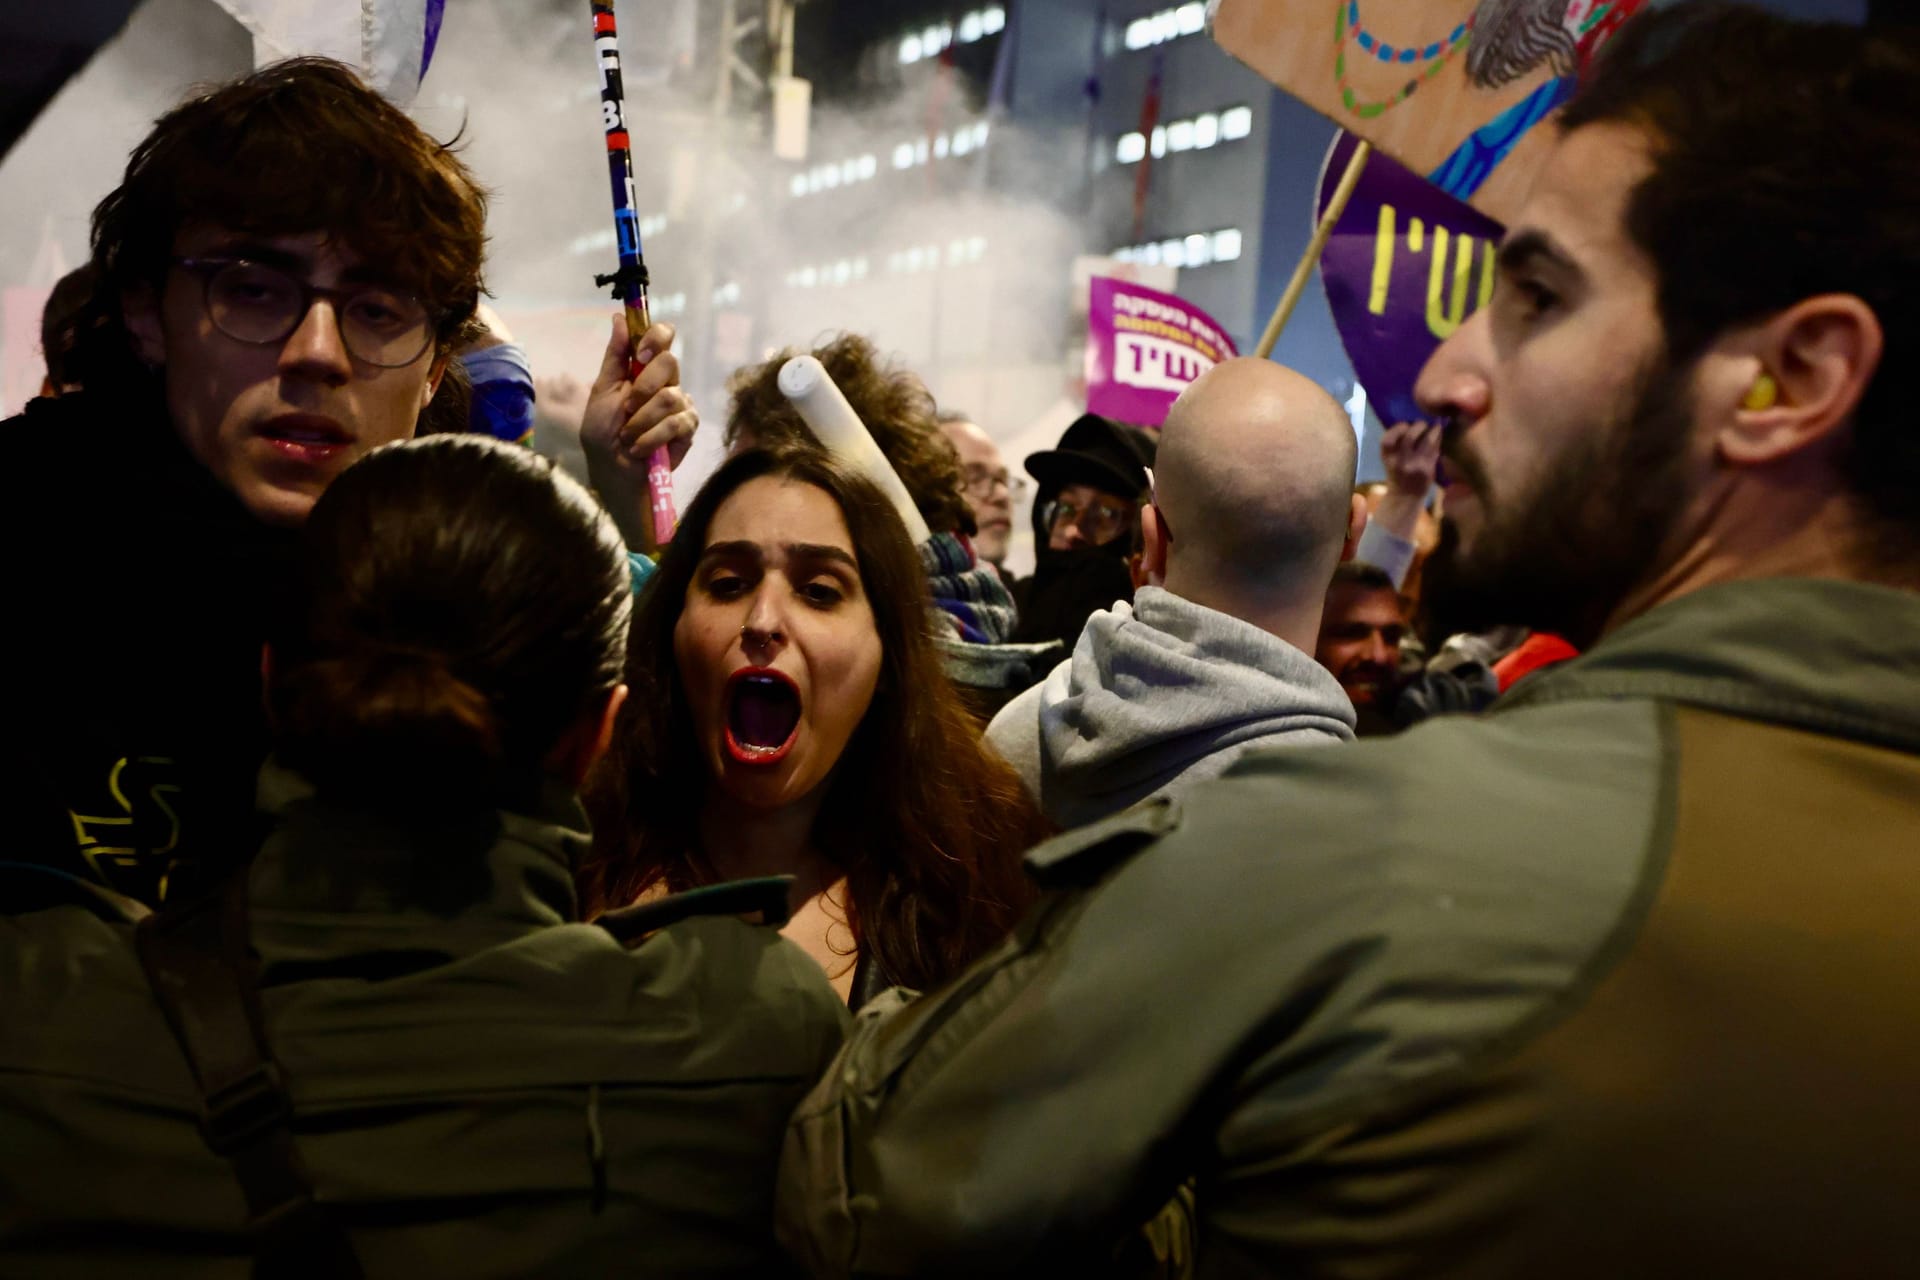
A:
<point x="1253" y="500"/>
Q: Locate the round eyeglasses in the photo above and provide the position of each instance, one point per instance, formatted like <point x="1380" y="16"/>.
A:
<point x="1100" y="521"/>
<point x="979" y="481"/>
<point x="257" y="304"/>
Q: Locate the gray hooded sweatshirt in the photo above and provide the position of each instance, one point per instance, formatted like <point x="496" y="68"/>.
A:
<point x="1158" y="695"/>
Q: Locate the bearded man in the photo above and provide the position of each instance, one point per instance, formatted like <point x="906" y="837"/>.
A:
<point x="1617" y="979"/>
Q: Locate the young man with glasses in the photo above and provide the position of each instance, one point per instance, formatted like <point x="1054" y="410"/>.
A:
<point x="282" y="278"/>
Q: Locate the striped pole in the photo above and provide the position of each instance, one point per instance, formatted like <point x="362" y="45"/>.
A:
<point x="630" y="280"/>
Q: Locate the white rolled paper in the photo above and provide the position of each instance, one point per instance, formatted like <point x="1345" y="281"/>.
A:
<point x="807" y="384"/>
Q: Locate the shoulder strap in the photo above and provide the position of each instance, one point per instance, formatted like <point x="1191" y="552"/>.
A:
<point x="766" y="895"/>
<point x="198" y="963"/>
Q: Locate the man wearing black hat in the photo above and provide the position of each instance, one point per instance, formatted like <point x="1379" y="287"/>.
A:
<point x="1085" y="514"/>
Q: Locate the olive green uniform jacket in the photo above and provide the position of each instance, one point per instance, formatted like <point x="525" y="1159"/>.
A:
<point x="480" y="1087"/>
<point x="1622" y="979"/>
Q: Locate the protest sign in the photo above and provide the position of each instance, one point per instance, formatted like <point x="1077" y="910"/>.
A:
<point x="1453" y="89"/>
<point x="1406" y="264"/>
<point x="1143" y="348"/>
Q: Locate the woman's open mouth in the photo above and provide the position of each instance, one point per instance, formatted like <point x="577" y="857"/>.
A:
<point x="763" y="715"/>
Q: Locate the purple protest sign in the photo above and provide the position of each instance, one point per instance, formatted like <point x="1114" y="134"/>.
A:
<point x="1143" y="348"/>
<point x="1405" y="265"/>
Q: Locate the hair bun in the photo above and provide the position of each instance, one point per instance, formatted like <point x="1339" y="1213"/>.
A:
<point x="382" y="723"/>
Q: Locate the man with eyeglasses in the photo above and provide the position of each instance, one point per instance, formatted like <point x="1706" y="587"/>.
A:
<point x="284" y="275"/>
<point x="1085" y="513"/>
<point x="991" y="491"/>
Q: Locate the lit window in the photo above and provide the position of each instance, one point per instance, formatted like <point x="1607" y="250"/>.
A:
<point x="1168" y="24"/>
<point x="860" y="269"/>
<point x="940" y="145"/>
<point x="1206" y="131"/>
<point x="992" y="19"/>
<point x="977" y="248"/>
<point x="1130" y="148"/>
<point x="1150" y="254"/>
<point x="1236" y="123"/>
<point x="1180" y="135"/>
<point x="903" y="156"/>
<point x="842" y="271"/>
<point x="920" y="150"/>
<point x="1226" y="244"/>
<point x="910" y="50"/>
<point x="1159" y="147"/>
<point x="808" y="277"/>
<point x="970" y="28"/>
<point x="962" y="141"/>
<point x="869" y="166"/>
<point x="1173" y="251"/>
<point x="830" y="176"/>
<point x="1199" y="250"/>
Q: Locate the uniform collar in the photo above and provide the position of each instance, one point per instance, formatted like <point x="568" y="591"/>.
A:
<point x="1824" y="655"/>
<point x="333" y="879"/>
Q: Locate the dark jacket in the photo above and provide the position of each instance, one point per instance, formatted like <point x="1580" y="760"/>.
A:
<point x="140" y="592"/>
<point x="1618" y="979"/>
<point x="481" y="1087"/>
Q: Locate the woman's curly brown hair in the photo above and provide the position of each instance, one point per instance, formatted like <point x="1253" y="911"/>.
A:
<point x="896" y="406"/>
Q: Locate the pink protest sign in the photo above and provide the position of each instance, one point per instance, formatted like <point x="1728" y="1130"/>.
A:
<point x="1143" y="348"/>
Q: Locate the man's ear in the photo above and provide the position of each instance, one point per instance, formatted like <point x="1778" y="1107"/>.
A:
<point x="1356" y="525"/>
<point x="140" y="313"/>
<point x="1154" y="547"/>
<point x="436" y="371"/>
<point x="1821" y="355"/>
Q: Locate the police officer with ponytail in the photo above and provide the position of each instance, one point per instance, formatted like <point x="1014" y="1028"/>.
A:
<point x="390" y="1047"/>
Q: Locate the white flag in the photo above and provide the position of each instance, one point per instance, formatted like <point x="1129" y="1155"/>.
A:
<point x="387" y="40"/>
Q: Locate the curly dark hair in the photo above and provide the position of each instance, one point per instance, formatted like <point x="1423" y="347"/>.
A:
<point x="927" y="824"/>
<point x="298" y="146"/>
<point x="895" y="405"/>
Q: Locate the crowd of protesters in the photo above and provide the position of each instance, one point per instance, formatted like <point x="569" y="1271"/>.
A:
<point x="411" y="877"/>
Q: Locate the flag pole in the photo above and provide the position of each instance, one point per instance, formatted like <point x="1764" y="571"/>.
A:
<point x="630" y="280"/>
<point x="1321" y="234"/>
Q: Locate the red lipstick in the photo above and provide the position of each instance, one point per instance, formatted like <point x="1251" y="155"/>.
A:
<point x="762" y="715"/>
